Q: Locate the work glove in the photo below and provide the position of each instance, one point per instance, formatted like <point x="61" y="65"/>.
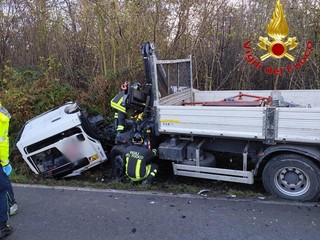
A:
<point x="7" y="169"/>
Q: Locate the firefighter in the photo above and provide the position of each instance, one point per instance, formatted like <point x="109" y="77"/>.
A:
<point x="5" y="172"/>
<point x="119" y="104"/>
<point x="139" y="166"/>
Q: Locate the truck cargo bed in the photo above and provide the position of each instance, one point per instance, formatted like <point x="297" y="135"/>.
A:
<point x="286" y="124"/>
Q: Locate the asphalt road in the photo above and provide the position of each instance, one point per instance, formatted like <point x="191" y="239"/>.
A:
<point x="47" y="213"/>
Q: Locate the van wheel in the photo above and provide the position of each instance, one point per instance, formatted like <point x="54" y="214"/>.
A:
<point x="292" y="177"/>
<point x="118" y="162"/>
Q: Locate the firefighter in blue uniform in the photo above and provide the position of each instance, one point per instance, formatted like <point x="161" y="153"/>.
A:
<point x="119" y="103"/>
<point x="139" y="165"/>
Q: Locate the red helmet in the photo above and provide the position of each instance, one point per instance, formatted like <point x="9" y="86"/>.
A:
<point x="124" y="86"/>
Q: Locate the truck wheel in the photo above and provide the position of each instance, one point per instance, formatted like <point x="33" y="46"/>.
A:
<point x="292" y="177"/>
<point x="118" y="162"/>
<point x="206" y="160"/>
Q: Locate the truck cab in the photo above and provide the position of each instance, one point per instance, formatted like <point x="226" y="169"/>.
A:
<point x="63" y="142"/>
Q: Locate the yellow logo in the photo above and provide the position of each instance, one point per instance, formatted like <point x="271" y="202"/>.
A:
<point x="278" y="30"/>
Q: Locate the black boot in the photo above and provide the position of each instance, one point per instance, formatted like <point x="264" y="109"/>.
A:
<point x="148" y="180"/>
<point x="5" y="231"/>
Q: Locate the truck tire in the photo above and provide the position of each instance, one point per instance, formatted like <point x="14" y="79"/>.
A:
<point x="292" y="177"/>
<point x="206" y="160"/>
<point x="118" y="162"/>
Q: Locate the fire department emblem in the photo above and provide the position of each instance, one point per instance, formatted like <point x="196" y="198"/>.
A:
<point x="278" y="30"/>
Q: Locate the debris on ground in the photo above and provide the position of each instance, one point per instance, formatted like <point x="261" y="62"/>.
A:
<point x="201" y="192"/>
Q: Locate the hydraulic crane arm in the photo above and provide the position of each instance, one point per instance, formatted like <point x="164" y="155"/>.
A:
<point x="150" y="57"/>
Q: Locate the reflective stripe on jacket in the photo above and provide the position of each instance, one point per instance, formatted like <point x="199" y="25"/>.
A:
<point x="4" y="139"/>
<point x="118" y="102"/>
<point x="138" y="161"/>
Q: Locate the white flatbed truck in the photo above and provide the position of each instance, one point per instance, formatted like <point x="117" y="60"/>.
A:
<point x="276" y="133"/>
